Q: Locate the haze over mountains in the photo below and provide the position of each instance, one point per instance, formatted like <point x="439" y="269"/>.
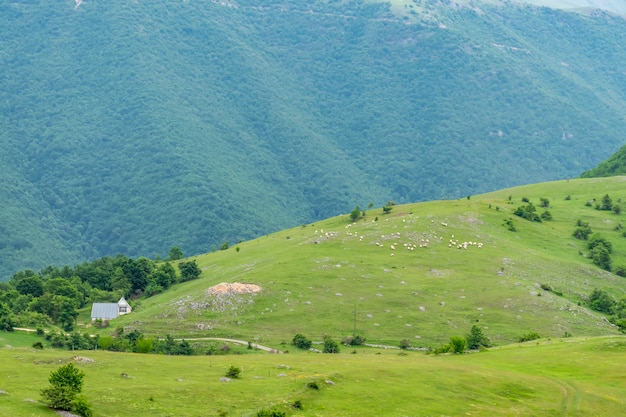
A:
<point x="132" y="127"/>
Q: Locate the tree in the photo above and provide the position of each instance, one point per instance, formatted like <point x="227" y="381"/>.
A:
<point x="6" y="318"/>
<point x="475" y="339"/>
<point x="32" y="285"/>
<point x="175" y="254"/>
<point x="355" y="214"/>
<point x="66" y="383"/>
<point x="607" y="203"/>
<point x="601" y="301"/>
<point x="233" y="372"/>
<point x="189" y="270"/>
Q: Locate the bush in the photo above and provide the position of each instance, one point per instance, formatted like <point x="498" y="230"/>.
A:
<point x="544" y="202"/>
<point x="38" y="345"/>
<point x="233" y="372"/>
<point x="546" y="215"/>
<point x="270" y="413"/>
<point x="354" y="341"/>
<point x="81" y="407"/>
<point x="405" y="344"/>
<point x="621" y="271"/>
<point x="510" y="225"/>
<point x="301" y="342"/>
<point x="330" y="346"/>
<point x="528" y="337"/>
<point x="528" y="212"/>
<point x="458" y="344"/>
<point x="600" y="300"/>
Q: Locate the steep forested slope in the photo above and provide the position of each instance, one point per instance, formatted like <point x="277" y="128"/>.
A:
<point x="131" y="127"/>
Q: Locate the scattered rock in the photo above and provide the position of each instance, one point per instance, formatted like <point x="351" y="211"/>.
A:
<point x="225" y="379"/>
<point x="82" y="359"/>
<point x="329" y="382"/>
<point x="3" y="392"/>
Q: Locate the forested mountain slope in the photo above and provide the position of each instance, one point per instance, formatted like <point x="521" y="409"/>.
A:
<point x="131" y="127"/>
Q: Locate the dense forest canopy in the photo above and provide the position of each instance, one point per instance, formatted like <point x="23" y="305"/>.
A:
<point x="131" y="127"/>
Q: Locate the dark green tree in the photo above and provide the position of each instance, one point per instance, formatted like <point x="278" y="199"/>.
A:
<point x="606" y="204"/>
<point x="32" y="285"/>
<point x="189" y="270"/>
<point x="175" y="254"/>
<point x="355" y="214"/>
<point x="601" y="301"/>
<point x="475" y="339"/>
<point x="6" y="318"/>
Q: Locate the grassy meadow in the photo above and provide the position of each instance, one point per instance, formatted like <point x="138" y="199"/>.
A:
<point x="573" y="377"/>
<point x="405" y="276"/>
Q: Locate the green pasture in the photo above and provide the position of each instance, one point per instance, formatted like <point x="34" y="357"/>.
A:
<point x="559" y="377"/>
<point x="315" y="277"/>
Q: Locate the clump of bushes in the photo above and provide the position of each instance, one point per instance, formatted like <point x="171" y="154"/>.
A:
<point x="330" y="346"/>
<point x="528" y="212"/>
<point x="354" y="341"/>
<point x="529" y="336"/>
<point x="301" y="342"/>
<point x="582" y="230"/>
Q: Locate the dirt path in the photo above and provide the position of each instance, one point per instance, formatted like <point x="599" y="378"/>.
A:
<point x="239" y="342"/>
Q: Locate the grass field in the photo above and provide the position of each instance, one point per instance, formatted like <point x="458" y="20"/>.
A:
<point x="560" y="377"/>
<point x="406" y="277"/>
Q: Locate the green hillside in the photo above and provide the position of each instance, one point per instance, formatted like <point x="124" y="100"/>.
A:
<point x="615" y="165"/>
<point x="130" y="127"/>
<point x="423" y="272"/>
<point x="563" y="377"/>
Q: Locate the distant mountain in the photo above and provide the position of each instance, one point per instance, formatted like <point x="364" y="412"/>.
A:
<point x="132" y="127"/>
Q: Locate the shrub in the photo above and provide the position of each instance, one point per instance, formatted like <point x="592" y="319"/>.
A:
<point x="405" y="344"/>
<point x="313" y="385"/>
<point x="458" y="344"/>
<point x="528" y="212"/>
<point x="617" y="209"/>
<point x="525" y="200"/>
<point x="601" y="257"/>
<point x="600" y="241"/>
<point x="301" y="342"/>
<point x="568" y="197"/>
<point x="529" y="336"/>
<point x="510" y="225"/>
<point x="546" y="215"/>
<point x="81" y="407"/>
<point x="330" y="346"/>
<point x="582" y="231"/>
<point x="354" y="340"/>
<point x="544" y="202"/>
<point x="273" y="412"/>
<point x="621" y="271"/>
<point x="233" y="372"/>
<point x="38" y="345"/>
<point x="601" y="301"/>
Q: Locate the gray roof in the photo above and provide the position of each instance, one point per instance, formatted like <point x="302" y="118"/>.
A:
<point x="104" y="311"/>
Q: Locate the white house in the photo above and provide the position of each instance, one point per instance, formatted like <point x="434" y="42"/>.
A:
<point x="108" y="311"/>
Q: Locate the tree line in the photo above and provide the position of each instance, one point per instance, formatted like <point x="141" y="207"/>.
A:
<point x="54" y="295"/>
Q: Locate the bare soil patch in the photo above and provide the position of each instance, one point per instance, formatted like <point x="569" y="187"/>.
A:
<point x="233" y="289"/>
